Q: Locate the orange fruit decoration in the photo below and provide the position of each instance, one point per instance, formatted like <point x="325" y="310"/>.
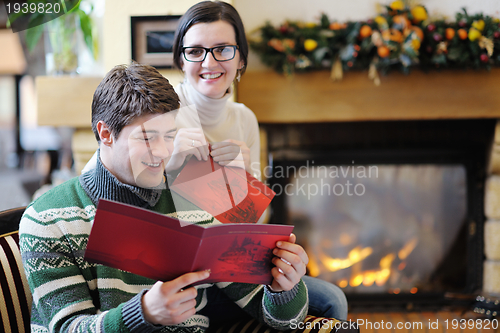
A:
<point x="310" y="45"/>
<point x="397" y="5"/>
<point x="365" y="31"/>
<point x="276" y="44"/>
<point x="289" y="43"/>
<point x="415" y="43"/>
<point x="474" y="34"/>
<point x="382" y="22"/>
<point x="337" y="26"/>
<point x="479" y="25"/>
<point x="449" y="33"/>
<point x="419" y="32"/>
<point x="393" y="34"/>
<point x="383" y="51"/>
<point x="402" y="21"/>
<point x="419" y="14"/>
<point x="462" y="34"/>
<point x="397" y="36"/>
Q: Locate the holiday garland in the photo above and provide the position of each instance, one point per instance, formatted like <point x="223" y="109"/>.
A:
<point x="401" y="38"/>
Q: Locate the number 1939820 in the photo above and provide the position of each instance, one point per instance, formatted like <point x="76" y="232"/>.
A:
<point x="32" y="8"/>
<point x="471" y="324"/>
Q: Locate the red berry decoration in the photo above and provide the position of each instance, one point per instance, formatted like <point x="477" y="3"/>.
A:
<point x="431" y="27"/>
<point x="283" y="29"/>
<point x="437" y="37"/>
<point x="462" y="23"/>
<point x="496" y="34"/>
<point x="484" y="58"/>
<point x="429" y="49"/>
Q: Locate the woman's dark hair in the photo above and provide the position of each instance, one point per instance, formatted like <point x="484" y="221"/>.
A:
<point x="208" y="12"/>
<point x="128" y="92"/>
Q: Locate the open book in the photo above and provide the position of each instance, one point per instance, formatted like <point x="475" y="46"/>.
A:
<point x="156" y="246"/>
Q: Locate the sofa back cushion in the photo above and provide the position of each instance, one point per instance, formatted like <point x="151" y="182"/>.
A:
<point x="15" y="295"/>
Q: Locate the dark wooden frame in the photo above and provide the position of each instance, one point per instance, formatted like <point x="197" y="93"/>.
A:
<point x="141" y="27"/>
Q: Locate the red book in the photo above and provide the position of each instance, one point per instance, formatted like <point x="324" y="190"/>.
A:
<point x="230" y="194"/>
<point x="162" y="248"/>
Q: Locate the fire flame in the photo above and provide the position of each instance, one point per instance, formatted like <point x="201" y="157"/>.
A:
<point x="408" y="248"/>
<point x="313" y="265"/>
<point x="368" y="278"/>
<point x="355" y="255"/>
<point x="358" y="254"/>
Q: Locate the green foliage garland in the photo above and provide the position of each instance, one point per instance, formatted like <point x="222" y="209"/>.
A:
<point x="400" y="38"/>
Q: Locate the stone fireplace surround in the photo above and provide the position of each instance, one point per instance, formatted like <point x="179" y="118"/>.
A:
<point x="424" y="117"/>
<point x="440" y="142"/>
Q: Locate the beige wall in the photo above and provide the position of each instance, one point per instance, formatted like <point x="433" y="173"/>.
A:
<point x="116" y="35"/>
<point x="116" y="26"/>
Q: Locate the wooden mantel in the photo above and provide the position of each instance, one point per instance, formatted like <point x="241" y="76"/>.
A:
<point x="314" y="97"/>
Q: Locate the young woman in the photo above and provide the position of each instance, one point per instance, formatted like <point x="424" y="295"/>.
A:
<point x="211" y="48"/>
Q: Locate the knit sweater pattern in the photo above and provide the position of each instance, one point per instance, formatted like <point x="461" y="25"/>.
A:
<point x="73" y="295"/>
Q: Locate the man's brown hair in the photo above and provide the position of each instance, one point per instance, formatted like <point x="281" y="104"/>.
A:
<point x="128" y="92"/>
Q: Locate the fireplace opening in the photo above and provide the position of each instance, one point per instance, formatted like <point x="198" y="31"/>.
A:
<point x="392" y="212"/>
<point x="386" y="230"/>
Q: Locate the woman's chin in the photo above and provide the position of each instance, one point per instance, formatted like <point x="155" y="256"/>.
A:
<point x="212" y="89"/>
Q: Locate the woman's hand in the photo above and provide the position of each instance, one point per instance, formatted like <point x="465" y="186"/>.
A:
<point x="232" y="153"/>
<point x="167" y="303"/>
<point x="290" y="261"/>
<point x="188" y="141"/>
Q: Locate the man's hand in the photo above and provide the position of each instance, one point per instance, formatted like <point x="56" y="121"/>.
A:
<point x="167" y="303"/>
<point x="290" y="261"/>
<point x="232" y="153"/>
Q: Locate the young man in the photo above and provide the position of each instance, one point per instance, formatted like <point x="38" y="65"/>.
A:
<point x="133" y="118"/>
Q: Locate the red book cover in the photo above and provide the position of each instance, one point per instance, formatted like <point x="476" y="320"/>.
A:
<point x="159" y="247"/>
<point x="230" y="194"/>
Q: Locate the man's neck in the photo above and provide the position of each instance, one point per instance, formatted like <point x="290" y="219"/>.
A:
<point x="101" y="183"/>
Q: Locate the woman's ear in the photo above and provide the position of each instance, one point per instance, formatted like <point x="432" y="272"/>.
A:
<point x="242" y="64"/>
<point x="104" y="132"/>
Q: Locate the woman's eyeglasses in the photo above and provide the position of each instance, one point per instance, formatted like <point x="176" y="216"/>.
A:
<point x="220" y="53"/>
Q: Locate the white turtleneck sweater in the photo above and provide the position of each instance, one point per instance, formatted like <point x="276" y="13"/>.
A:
<point x="219" y="118"/>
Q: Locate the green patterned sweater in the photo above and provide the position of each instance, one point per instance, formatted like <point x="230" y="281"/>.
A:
<point x="73" y="295"/>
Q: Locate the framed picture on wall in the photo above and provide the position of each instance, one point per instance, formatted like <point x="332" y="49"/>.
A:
<point x="153" y="39"/>
<point x="3" y="18"/>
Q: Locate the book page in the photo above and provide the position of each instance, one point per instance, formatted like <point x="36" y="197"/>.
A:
<point x="240" y="252"/>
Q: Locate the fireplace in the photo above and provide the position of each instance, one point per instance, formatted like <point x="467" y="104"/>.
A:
<point x="391" y="211"/>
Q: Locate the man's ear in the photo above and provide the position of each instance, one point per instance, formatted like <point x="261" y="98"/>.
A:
<point x="105" y="134"/>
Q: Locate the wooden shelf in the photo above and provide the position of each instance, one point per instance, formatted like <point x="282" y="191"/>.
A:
<point x="314" y="97"/>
